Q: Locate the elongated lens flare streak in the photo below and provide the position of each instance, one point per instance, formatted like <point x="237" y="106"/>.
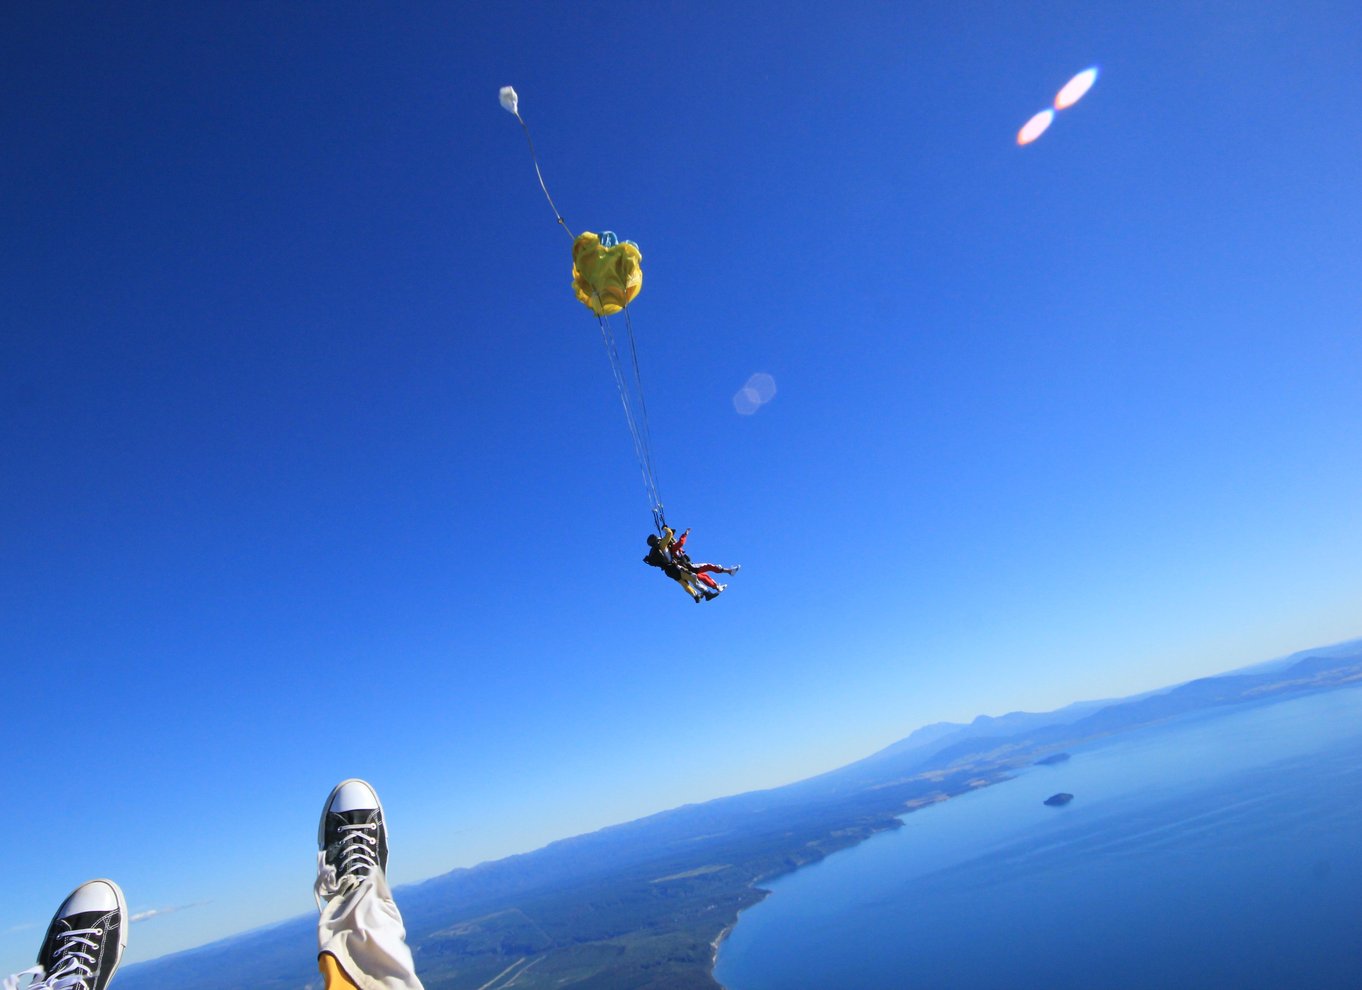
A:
<point x="1075" y="89"/>
<point x="1035" y="127"/>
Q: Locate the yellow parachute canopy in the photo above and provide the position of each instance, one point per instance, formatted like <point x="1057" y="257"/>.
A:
<point x="606" y="276"/>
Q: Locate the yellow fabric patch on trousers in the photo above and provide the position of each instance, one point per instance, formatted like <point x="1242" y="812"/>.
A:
<point x="335" y="976"/>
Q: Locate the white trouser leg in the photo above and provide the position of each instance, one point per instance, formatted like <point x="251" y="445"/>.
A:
<point x="363" y="929"/>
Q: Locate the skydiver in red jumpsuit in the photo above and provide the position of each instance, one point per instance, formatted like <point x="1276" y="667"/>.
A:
<point x="701" y="571"/>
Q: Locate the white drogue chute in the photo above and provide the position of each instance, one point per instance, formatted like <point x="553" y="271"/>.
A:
<point x="510" y="102"/>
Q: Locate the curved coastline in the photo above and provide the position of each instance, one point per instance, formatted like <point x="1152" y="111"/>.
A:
<point x="916" y="804"/>
<point x="1276" y="772"/>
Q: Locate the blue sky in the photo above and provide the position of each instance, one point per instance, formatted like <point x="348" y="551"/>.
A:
<point x="312" y="467"/>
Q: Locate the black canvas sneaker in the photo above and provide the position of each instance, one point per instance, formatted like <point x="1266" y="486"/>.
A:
<point x="85" y="940"/>
<point x="352" y="839"/>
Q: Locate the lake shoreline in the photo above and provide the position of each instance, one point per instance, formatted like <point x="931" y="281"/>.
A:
<point x="1190" y="803"/>
<point x="973" y="785"/>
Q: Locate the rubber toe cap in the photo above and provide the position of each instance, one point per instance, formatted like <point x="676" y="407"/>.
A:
<point x="97" y="895"/>
<point x="354" y="795"/>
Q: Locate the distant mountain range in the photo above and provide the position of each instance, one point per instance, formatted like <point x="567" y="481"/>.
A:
<point x="642" y="906"/>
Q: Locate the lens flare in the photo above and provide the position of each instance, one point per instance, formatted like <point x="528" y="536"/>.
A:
<point x="1035" y="127"/>
<point x="1075" y="89"/>
<point x="759" y="390"/>
<point x="763" y="385"/>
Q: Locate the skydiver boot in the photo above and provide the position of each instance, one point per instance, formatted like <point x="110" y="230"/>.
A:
<point x="360" y="936"/>
<point x="352" y="839"/>
<point x="84" y="942"/>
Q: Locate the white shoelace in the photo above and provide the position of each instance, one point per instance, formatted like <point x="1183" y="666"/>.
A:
<point x="358" y="858"/>
<point x="74" y="970"/>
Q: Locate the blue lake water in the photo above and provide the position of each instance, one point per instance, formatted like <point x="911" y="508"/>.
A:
<point x="1222" y="850"/>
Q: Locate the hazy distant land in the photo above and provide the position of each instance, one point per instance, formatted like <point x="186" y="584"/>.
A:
<point x="644" y="905"/>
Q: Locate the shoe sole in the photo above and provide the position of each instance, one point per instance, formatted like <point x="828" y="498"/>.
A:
<point x="321" y="823"/>
<point x="123" y="928"/>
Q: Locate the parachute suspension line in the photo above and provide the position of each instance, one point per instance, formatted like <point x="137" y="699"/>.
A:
<point x="535" y="158"/>
<point x="645" y="431"/>
<point x="622" y="384"/>
<point x="627" y="394"/>
<point x="631" y="398"/>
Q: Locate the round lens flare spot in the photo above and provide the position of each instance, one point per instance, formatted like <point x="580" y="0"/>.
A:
<point x="1076" y="88"/>
<point x="1035" y="127"/>
<point x="763" y="385"/>
<point x="745" y="402"/>
<point x="759" y="390"/>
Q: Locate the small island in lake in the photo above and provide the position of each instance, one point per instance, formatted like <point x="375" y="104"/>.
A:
<point x="1052" y="759"/>
<point x="1059" y="800"/>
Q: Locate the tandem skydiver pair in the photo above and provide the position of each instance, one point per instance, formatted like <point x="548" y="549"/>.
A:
<point x="668" y="552"/>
